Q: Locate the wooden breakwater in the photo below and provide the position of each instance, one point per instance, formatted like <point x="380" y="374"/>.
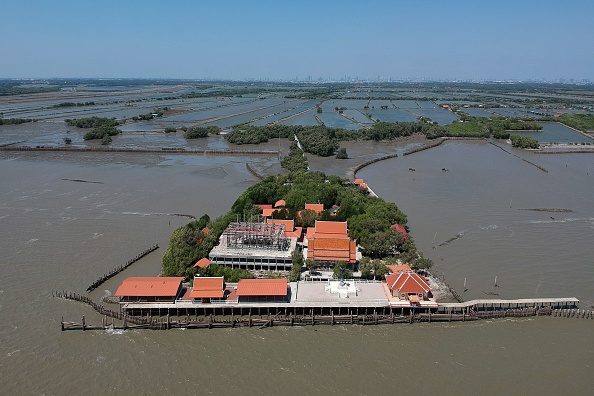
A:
<point x="253" y="171"/>
<point x="262" y="321"/>
<point x="424" y="147"/>
<point x="122" y="267"/>
<point x="164" y="150"/>
<point x="517" y="156"/>
<point x="99" y="309"/>
<point x="568" y="151"/>
<point x="373" y="161"/>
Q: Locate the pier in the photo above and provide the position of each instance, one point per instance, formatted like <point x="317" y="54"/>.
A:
<point x="193" y="315"/>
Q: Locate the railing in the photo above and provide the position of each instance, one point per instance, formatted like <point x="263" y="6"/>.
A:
<point x="224" y="301"/>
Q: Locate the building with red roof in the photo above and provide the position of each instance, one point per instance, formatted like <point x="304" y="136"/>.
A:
<point x="400" y="229"/>
<point x="202" y="263"/>
<point x="318" y="208"/>
<point x="399" y="268"/>
<point x="280" y="203"/>
<point x="206" y="289"/>
<point x="267" y="212"/>
<point x="149" y="289"/>
<point x="329" y="241"/>
<point x="406" y="285"/>
<point x="262" y="290"/>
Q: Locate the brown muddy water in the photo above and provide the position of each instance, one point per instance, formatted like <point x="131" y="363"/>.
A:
<point x="59" y="234"/>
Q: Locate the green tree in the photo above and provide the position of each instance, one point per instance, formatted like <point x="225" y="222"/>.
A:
<point x="196" y="132"/>
<point x="297" y="267"/>
<point x="421" y="263"/>
<point x="342" y="154"/>
<point x="311" y="265"/>
<point x="348" y="274"/>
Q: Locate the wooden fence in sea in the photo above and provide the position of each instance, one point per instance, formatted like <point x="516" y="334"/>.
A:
<point x="163" y="150"/>
<point x="253" y="172"/>
<point x="122" y="267"/>
<point x="424" y="147"/>
<point x="373" y="161"/>
<point x="260" y="321"/>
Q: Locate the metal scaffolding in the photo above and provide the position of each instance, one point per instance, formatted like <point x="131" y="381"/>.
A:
<point x="248" y="235"/>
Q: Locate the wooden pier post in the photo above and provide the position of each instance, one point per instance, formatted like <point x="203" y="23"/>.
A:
<point x="83" y="323"/>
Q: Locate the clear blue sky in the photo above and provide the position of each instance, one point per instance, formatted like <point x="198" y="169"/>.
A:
<point x="287" y="39"/>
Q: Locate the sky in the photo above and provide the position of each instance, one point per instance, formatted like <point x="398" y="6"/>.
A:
<point x="367" y="39"/>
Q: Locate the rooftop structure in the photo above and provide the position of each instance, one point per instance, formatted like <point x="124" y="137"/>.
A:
<point x="149" y="289"/>
<point x="206" y="288"/>
<point x="255" y="246"/>
<point x="290" y="230"/>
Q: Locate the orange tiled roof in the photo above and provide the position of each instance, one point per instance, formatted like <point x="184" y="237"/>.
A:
<point x="315" y="207"/>
<point x="358" y="181"/>
<point x="202" y="263"/>
<point x="407" y="282"/>
<point x="289" y="224"/>
<point x="262" y="287"/>
<point x="399" y="268"/>
<point x="280" y="203"/>
<point x="327" y="249"/>
<point x="329" y="236"/>
<point x="331" y="227"/>
<point x="330" y="244"/>
<point x="268" y="212"/>
<point x="296" y="233"/>
<point x="149" y="286"/>
<point x="208" y="287"/>
<point x="264" y="206"/>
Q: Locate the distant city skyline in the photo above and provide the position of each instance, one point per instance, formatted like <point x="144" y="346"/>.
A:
<point x="300" y="41"/>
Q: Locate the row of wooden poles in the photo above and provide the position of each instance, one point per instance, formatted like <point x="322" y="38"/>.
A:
<point x="128" y="150"/>
<point x="99" y="309"/>
<point x="253" y="171"/>
<point x="119" y="269"/>
<point x="260" y="321"/>
<point x="373" y="161"/>
<point x="573" y="313"/>
<point x="424" y="147"/>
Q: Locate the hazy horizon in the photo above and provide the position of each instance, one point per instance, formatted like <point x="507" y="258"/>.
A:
<point x="375" y="40"/>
